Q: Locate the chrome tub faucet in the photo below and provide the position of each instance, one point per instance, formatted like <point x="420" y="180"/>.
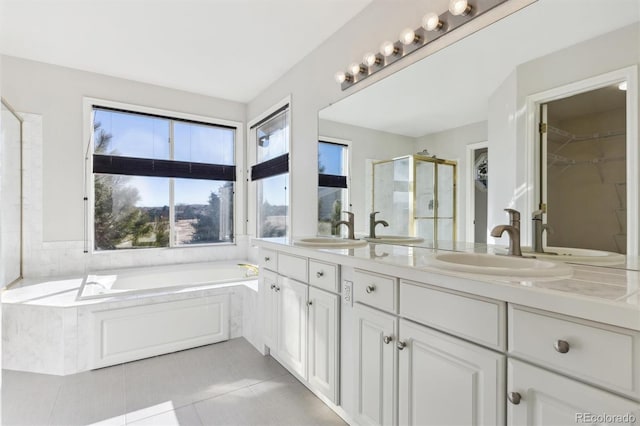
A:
<point x="513" y="230"/>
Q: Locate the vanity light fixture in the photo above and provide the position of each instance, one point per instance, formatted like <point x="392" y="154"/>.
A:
<point x="408" y="37"/>
<point x="431" y="22"/>
<point x="433" y="26"/>
<point x="460" y="7"/>
<point x="388" y="48"/>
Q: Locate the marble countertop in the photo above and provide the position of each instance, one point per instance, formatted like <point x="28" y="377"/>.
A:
<point x="608" y="294"/>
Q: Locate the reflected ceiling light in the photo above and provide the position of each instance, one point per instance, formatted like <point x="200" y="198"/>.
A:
<point x="431" y="22"/>
<point x="623" y="86"/>
<point x="388" y="48"/>
<point x="370" y="59"/>
<point x="460" y="13"/>
<point x="408" y="36"/>
<point x="459" y="7"/>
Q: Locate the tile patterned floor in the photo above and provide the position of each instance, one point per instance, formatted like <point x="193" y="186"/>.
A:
<point x="228" y="383"/>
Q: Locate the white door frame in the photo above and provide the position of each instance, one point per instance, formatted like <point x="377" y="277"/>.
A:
<point x="470" y="209"/>
<point x="629" y="74"/>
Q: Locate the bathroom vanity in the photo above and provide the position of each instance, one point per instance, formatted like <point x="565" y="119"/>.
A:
<point x="384" y="337"/>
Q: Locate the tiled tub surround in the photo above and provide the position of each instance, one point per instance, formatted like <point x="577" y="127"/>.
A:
<point x="46" y="330"/>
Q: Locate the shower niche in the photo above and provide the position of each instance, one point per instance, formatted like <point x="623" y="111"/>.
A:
<point x="416" y="195"/>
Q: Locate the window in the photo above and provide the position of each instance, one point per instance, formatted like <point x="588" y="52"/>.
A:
<point x="333" y="195"/>
<point x="271" y="174"/>
<point x="161" y="181"/>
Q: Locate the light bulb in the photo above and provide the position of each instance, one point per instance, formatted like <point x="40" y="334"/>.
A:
<point x="431" y="22"/>
<point x="459" y="7"/>
<point x="622" y="86"/>
<point x="340" y="77"/>
<point x="387" y="48"/>
<point x="407" y="36"/>
<point x="369" y="59"/>
<point x="354" y="69"/>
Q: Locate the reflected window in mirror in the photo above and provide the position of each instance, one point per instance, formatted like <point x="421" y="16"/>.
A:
<point x="271" y="174"/>
<point x="333" y="178"/>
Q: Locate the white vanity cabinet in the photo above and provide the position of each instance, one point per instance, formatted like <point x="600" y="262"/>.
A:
<point x="301" y="321"/>
<point x="540" y="398"/>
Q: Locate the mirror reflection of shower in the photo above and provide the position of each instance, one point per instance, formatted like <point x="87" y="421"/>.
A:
<point x="10" y="195"/>
<point x="586" y="186"/>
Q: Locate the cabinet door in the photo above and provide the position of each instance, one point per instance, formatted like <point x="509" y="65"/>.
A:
<point x="444" y="380"/>
<point x="270" y="298"/>
<point x="292" y="325"/>
<point x="550" y="399"/>
<point x="323" y="342"/>
<point x="375" y="366"/>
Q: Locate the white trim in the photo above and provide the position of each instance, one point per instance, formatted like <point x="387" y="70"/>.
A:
<point x="251" y="153"/>
<point x="87" y="149"/>
<point x="470" y="199"/>
<point x="630" y="74"/>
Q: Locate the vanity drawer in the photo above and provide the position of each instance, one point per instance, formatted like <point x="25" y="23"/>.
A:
<point x="293" y="266"/>
<point x="269" y="259"/>
<point x="375" y="290"/>
<point x="323" y="275"/>
<point x="477" y="319"/>
<point x="594" y="352"/>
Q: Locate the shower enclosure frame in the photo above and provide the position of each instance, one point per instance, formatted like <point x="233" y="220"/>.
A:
<point x="413" y="160"/>
<point x="8" y="106"/>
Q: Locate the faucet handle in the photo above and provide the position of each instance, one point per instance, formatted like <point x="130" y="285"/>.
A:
<point x="537" y="215"/>
<point x="348" y="214"/>
<point x="372" y="216"/>
<point x="514" y="215"/>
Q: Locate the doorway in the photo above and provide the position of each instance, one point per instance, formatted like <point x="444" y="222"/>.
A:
<point x="477" y="192"/>
<point x="583" y="162"/>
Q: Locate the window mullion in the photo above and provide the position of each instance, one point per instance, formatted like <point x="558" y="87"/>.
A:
<point x="171" y="189"/>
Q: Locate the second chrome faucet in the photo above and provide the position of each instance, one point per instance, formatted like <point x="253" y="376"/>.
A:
<point x="373" y="223"/>
<point x="513" y="230"/>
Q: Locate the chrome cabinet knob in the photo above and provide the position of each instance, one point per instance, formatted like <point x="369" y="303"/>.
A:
<point x="370" y="288"/>
<point x="277" y="288"/>
<point x="309" y="303"/>
<point x="514" y="398"/>
<point x="561" y="346"/>
<point x="401" y="345"/>
<point x="387" y="339"/>
<point x="267" y="259"/>
<point x="319" y="274"/>
<point x="273" y="286"/>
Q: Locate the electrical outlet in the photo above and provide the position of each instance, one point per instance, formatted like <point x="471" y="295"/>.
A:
<point x="347" y="292"/>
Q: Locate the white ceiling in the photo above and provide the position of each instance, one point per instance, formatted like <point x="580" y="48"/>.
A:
<point x="231" y="49"/>
<point x="452" y="87"/>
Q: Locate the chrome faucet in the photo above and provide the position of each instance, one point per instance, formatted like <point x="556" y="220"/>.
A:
<point x="373" y="223"/>
<point x="349" y="224"/>
<point x="538" y="229"/>
<point x="513" y="230"/>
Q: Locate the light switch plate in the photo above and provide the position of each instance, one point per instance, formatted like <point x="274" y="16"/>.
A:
<point x="347" y="292"/>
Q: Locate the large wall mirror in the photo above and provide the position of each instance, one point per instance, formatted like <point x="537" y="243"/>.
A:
<point x="479" y="102"/>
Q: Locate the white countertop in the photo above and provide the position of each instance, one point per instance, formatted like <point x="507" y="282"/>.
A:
<point x="609" y="295"/>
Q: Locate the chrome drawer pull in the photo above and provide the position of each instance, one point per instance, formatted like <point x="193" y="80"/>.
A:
<point x="273" y="286"/>
<point x="514" y="398"/>
<point x="309" y="303"/>
<point x="266" y="259"/>
<point x="370" y="288"/>
<point x="387" y="339"/>
<point x="319" y="274"/>
<point x="401" y="345"/>
<point x="561" y="346"/>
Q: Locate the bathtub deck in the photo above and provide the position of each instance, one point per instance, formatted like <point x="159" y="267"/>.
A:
<point x="225" y="383"/>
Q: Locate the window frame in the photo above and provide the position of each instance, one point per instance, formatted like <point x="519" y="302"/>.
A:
<point x="346" y="143"/>
<point x="89" y="176"/>
<point x="251" y="198"/>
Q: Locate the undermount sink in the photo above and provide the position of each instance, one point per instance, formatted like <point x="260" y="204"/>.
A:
<point x="395" y="239"/>
<point x="576" y="255"/>
<point x="328" y="242"/>
<point x="504" y="266"/>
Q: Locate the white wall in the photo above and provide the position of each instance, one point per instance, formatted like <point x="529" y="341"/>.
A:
<point x="54" y="227"/>
<point x="508" y="115"/>
<point x="311" y="86"/>
<point x="367" y="144"/>
<point x="452" y="145"/>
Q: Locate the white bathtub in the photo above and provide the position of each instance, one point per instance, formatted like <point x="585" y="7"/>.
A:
<point x="163" y="278"/>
